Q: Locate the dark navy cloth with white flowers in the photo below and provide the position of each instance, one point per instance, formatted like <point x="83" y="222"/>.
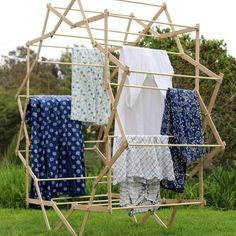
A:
<point x="57" y="146"/>
<point x="182" y="119"/>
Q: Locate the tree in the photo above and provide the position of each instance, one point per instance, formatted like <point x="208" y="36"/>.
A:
<point x="214" y="55"/>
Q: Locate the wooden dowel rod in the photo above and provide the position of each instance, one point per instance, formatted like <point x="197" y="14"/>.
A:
<point x="69" y="178"/>
<point x="116" y="15"/>
<point x="137" y="86"/>
<point x="83" y="202"/>
<point x="174" y="75"/>
<point x="80" y="197"/>
<point x="172" y="145"/>
<point x="174" y="33"/>
<point x="74" y="64"/>
<point x="159" y="221"/>
<point x="89" y="149"/>
<point x="67" y="47"/>
<point x="85" y="37"/>
<point x="140" y="3"/>
<point x="125" y="16"/>
<point x="157" y="205"/>
<point x="94" y="141"/>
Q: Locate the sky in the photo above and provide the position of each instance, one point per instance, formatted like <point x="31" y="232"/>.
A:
<point x="21" y="21"/>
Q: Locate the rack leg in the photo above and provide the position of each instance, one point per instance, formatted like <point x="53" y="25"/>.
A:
<point x="85" y="220"/>
<point x="174" y="211"/>
<point x="145" y="217"/>
<point x="63" y="219"/>
<point x="201" y="185"/>
<point x="67" y="215"/>
<point x="42" y="206"/>
<point x="159" y="221"/>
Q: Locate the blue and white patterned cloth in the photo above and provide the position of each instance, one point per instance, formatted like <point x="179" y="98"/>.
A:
<point x="182" y="119"/>
<point x="57" y="146"/>
<point x="90" y="99"/>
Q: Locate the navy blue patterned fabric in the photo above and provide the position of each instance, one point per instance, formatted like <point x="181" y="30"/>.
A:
<point x="182" y="119"/>
<point x="57" y="146"/>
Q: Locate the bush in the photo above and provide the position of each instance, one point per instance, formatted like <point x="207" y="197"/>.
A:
<point x="12" y="186"/>
<point x="220" y="188"/>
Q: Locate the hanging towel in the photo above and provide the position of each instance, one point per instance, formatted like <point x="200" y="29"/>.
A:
<point x="137" y="191"/>
<point x="90" y="100"/>
<point x="141" y="110"/>
<point x="147" y="162"/>
<point x="57" y="146"/>
<point x="182" y="119"/>
<point x="145" y="59"/>
<point x="139" y="170"/>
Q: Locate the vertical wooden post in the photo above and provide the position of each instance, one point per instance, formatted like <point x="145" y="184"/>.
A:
<point x="128" y="28"/>
<point x="197" y="55"/>
<point x="174" y="211"/>
<point x="108" y="156"/>
<point x="27" y="179"/>
<point x="106" y="56"/>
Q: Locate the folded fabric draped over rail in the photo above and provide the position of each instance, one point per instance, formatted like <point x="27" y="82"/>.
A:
<point x="145" y="59"/>
<point x="57" y="146"/>
<point x="90" y="99"/>
<point x="182" y="119"/>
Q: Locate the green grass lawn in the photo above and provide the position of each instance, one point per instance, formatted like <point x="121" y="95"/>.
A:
<point x="189" y="222"/>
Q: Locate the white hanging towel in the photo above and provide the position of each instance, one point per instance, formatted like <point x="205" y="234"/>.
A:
<point x="139" y="170"/>
<point x="141" y="110"/>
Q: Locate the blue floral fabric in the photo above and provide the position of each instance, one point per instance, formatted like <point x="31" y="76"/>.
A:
<point x="182" y="119"/>
<point x="57" y="146"/>
<point x="90" y="98"/>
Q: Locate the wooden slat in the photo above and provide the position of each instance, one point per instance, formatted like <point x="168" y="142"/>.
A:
<point x="149" y="25"/>
<point x="89" y="20"/>
<point x="61" y="16"/>
<point x="63" y="219"/>
<point x="200" y="66"/>
<point x="206" y="160"/>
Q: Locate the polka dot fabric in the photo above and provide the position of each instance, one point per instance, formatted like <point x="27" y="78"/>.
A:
<point x="57" y="146"/>
<point x="90" y="99"/>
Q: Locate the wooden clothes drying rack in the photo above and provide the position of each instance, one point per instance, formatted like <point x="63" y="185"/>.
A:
<point x="107" y="47"/>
